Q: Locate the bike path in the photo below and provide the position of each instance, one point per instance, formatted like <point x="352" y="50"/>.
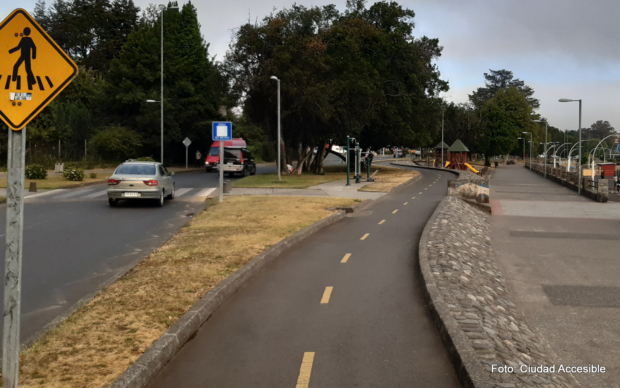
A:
<point x="286" y="328"/>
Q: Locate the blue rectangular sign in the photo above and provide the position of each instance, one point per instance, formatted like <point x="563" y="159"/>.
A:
<point x="222" y="130"/>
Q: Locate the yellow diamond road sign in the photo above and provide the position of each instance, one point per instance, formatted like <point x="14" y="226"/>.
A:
<point x="33" y="69"/>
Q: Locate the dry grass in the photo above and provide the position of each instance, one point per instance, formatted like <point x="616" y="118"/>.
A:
<point x="97" y="343"/>
<point x="388" y="177"/>
<point x="58" y="182"/>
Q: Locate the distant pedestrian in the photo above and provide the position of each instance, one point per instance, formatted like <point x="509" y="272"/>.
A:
<point x="198" y="158"/>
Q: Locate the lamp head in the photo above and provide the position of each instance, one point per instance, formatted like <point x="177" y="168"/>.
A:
<point x="565" y="100"/>
<point x="151" y="101"/>
<point x="274" y="77"/>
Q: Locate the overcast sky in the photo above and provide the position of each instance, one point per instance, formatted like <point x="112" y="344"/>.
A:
<point x="561" y="48"/>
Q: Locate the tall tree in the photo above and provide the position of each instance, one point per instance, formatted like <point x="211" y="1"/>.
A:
<point x="192" y="84"/>
<point x="506" y="115"/>
<point x="502" y="79"/>
<point x="358" y="73"/>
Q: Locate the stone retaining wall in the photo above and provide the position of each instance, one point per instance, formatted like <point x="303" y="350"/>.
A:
<point x="473" y="307"/>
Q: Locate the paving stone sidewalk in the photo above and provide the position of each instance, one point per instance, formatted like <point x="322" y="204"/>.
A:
<point x="466" y="273"/>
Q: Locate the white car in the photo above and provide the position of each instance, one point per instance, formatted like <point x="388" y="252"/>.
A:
<point x="139" y="181"/>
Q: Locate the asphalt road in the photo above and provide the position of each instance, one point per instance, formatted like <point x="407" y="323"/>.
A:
<point x="371" y="329"/>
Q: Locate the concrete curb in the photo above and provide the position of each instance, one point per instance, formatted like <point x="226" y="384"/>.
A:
<point x="157" y="355"/>
<point x="469" y="371"/>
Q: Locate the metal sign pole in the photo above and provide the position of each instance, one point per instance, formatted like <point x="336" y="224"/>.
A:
<point x="186" y="148"/>
<point x="221" y="171"/>
<point x="13" y="257"/>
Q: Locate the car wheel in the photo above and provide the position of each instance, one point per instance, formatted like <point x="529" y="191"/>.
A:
<point x="171" y="195"/>
<point x="209" y="169"/>
<point x="245" y="171"/>
<point x="113" y="202"/>
<point x="253" y="170"/>
<point x="160" y="202"/>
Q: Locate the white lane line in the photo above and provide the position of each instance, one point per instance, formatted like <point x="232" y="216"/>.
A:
<point x="97" y="194"/>
<point x="180" y="192"/>
<point x="74" y="193"/>
<point x="205" y="192"/>
<point x="58" y="191"/>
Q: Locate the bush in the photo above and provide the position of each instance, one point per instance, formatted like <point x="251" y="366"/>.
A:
<point x="73" y="173"/>
<point x="146" y="159"/>
<point x="116" y="143"/>
<point x="35" y="171"/>
<point x="93" y="175"/>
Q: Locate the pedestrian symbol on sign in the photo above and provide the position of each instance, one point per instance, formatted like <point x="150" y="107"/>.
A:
<point x="28" y="49"/>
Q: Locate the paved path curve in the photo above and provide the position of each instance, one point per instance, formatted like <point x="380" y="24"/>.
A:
<point x="342" y="309"/>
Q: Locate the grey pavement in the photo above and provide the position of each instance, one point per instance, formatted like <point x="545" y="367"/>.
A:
<point x="373" y="331"/>
<point x="331" y="189"/>
<point x="559" y="253"/>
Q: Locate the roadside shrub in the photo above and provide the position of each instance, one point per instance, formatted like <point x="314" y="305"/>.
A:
<point x="35" y="171"/>
<point x="116" y="143"/>
<point x="93" y="175"/>
<point x="73" y="173"/>
<point x="146" y="159"/>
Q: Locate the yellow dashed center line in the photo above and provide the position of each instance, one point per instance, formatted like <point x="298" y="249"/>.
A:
<point x="304" y="372"/>
<point x="419" y="193"/>
<point x="326" y="295"/>
<point x="394" y="211"/>
<point x="405" y="203"/>
<point x="426" y="188"/>
<point x="364" y="236"/>
<point x="412" y="197"/>
<point x="382" y="221"/>
<point x="345" y="258"/>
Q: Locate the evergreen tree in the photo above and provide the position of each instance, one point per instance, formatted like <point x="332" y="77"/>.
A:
<point x="192" y="86"/>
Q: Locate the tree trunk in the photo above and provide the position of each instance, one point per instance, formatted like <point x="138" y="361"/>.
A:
<point x="283" y="155"/>
<point x="303" y="156"/>
<point x="320" y="156"/>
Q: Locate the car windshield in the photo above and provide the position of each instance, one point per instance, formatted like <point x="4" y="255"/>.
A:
<point x="215" y="151"/>
<point x="136" y="169"/>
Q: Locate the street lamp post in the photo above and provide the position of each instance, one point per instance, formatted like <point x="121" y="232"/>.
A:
<point x="163" y="8"/>
<point x="579" y="141"/>
<point x="546" y="128"/>
<point x="279" y="145"/>
<point x="531" y="143"/>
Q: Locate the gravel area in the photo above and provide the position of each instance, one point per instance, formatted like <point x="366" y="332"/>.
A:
<point x="473" y="294"/>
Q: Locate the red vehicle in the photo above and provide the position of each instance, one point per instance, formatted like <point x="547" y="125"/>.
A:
<point x="213" y="158"/>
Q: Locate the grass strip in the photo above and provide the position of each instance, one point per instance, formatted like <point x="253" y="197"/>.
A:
<point x="389" y="177"/>
<point x="306" y="179"/>
<point x="97" y="343"/>
<point x="293" y="181"/>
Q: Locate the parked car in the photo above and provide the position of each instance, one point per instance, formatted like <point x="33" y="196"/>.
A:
<point x="140" y="180"/>
<point x="213" y="157"/>
<point x="238" y="160"/>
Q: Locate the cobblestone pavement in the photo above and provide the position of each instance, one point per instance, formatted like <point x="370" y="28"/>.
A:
<point x="463" y="265"/>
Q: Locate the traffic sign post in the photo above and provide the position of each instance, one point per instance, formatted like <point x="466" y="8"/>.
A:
<point x="222" y="130"/>
<point x="186" y="142"/>
<point x="33" y="71"/>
